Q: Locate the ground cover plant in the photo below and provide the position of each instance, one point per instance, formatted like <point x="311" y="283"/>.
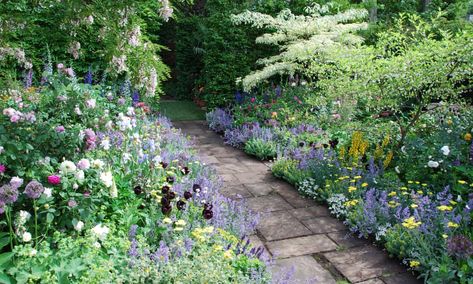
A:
<point x="380" y="133"/>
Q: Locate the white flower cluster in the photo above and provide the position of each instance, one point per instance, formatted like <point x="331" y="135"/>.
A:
<point x="309" y="187"/>
<point x="337" y="205"/>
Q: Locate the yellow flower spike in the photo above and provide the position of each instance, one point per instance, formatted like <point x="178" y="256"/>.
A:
<point x="410" y="182"/>
<point x="462" y="182"/>
<point x="424" y="184"/>
<point x="417" y="182"/>
<point x="180" y="223"/>
<point x="404" y="188"/>
<point x="420" y="192"/>
<point x="453" y="202"/>
<point x="388" y="159"/>
<point x="414" y="263"/>
<point x="452" y="225"/>
<point x="178" y="229"/>
<point x="353" y="180"/>
<point x="357" y="177"/>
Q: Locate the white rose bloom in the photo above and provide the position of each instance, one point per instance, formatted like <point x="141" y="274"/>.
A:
<point x="24" y="216"/>
<point x="445" y="150"/>
<point x="79" y="226"/>
<point x="48" y="192"/>
<point x="26" y="237"/>
<point x="80" y="176"/>
<point x="97" y="245"/>
<point x="67" y="167"/>
<point x="2" y="149"/>
<point x="433" y="164"/>
<point x="107" y="178"/>
<point x="105" y="144"/>
<point x="75" y="186"/>
<point x="83" y="164"/>
<point x="100" y="231"/>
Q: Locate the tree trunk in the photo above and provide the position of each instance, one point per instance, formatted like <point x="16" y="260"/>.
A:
<point x="373" y="14"/>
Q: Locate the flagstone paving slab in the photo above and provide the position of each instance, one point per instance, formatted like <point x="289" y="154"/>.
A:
<point x="301" y="246"/>
<point x="268" y="203"/>
<point x="346" y="240"/>
<point x="310" y="212"/>
<point x="259" y="189"/>
<point x="323" y="225"/>
<point x="297" y="231"/>
<point x="281" y="225"/>
<point x="303" y="269"/>
<point x="363" y="263"/>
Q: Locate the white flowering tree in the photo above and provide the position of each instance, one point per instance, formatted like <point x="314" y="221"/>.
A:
<point x="300" y="37"/>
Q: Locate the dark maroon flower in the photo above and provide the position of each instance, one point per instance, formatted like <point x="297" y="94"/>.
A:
<point x="187" y="195"/>
<point x="137" y="190"/>
<point x="181" y="205"/>
<point x="166" y="209"/>
<point x="165" y="201"/>
<point x="196" y="188"/>
<point x="325" y="146"/>
<point x="171" y="195"/>
<point x="185" y="170"/>
<point x="207" y="213"/>
<point x="165" y="189"/>
<point x="301" y="144"/>
<point x="164" y="165"/>
<point x="170" y="179"/>
<point x="333" y="143"/>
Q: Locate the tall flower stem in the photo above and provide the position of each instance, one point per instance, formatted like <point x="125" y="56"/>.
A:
<point x="35" y="222"/>
<point x="12" y="235"/>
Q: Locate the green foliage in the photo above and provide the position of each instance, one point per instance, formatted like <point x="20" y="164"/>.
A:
<point x="260" y="148"/>
<point x="101" y="35"/>
<point x="299" y="38"/>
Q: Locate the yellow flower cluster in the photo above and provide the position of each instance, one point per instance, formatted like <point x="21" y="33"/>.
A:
<point x="388" y="159"/>
<point x="351" y="203"/>
<point x="351" y="189"/>
<point x="393" y="204"/>
<point x="200" y="234"/>
<point x="452" y="225"/>
<point x="410" y="223"/>
<point x="445" y="208"/>
<point x="414" y="263"/>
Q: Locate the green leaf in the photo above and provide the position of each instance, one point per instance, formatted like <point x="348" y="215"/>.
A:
<point x="4" y="241"/>
<point x="5" y="258"/>
<point x="5" y="279"/>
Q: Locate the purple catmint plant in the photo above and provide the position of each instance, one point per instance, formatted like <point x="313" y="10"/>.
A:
<point x="29" y="79"/>
<point x="219" y="120"/>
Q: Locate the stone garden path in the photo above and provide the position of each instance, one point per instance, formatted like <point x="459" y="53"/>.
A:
<point x="296" y="231"/>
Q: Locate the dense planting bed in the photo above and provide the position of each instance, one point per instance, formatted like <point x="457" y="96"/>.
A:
<point x="417" y="200"/>
<point x="94" y="189"/>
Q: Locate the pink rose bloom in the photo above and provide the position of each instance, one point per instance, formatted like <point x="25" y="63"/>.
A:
<point x="60" y="66"/>
<point x="253" y="100"/>
<point x="60" y="129"/>
<point x="2" y="168"/>
<point x="83" y="164"/>
<point x="54" y="180"/>
<point x="69" y="72"/>
<point x="15" y="118"/>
